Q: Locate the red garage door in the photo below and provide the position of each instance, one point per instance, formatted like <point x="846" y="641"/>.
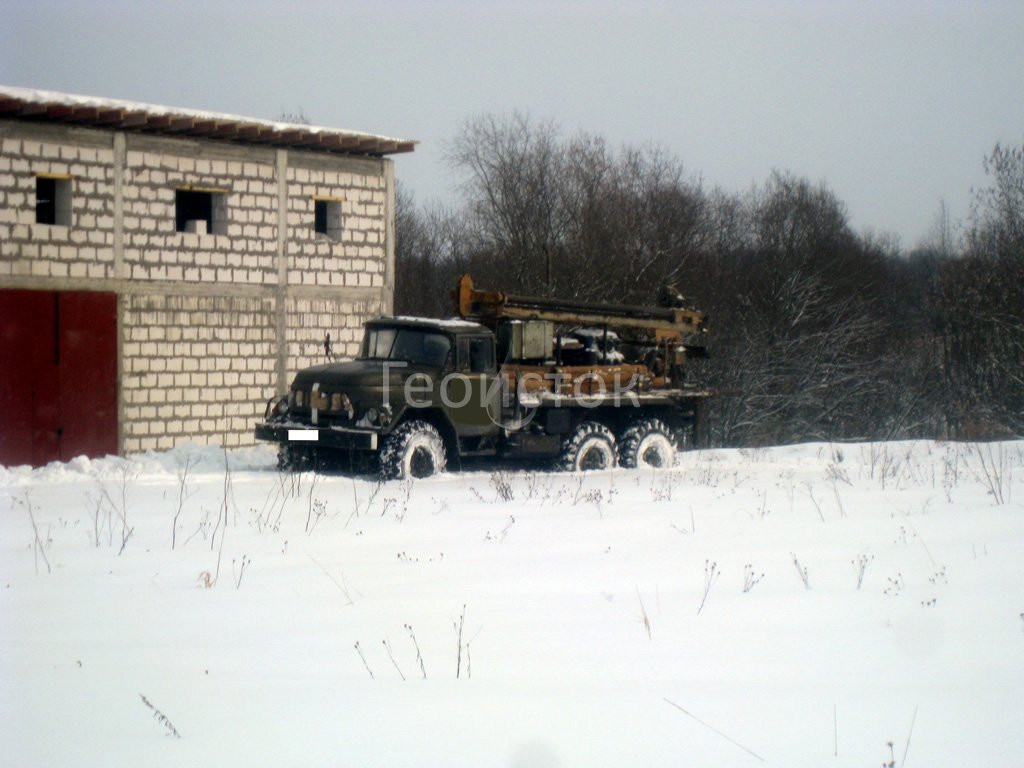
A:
<point x="58" y="375"/>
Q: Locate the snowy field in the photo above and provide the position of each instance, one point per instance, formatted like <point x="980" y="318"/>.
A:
<point x="799" y="606"/>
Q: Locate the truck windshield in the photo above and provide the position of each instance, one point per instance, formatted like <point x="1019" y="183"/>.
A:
<point x="409" y="344"/>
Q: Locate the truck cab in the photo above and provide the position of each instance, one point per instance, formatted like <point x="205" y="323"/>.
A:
<point x="439" y="376"/>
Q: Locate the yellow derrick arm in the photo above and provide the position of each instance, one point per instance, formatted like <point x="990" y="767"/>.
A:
<point x="666" y="323"/>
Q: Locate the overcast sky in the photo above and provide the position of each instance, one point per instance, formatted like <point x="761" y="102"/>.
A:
<point x="893" y="104"/>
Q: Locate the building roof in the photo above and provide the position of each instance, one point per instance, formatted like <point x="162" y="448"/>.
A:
<point x="113" y="114"/>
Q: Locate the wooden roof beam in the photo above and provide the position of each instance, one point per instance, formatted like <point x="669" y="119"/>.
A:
<point x="33" y="108"/>
<point x="252" y="132"/>
<point x="182" y="124"/>
<point x="329" y="141"/>
<point x="85" y="114"/>
<point x="288" y="137"/>
<point x="225" y="130"/>
<point x="157" y="122"/>
<point x="110" y="116"/>
<point x="132" y="119"/>
<point x="59" y="111"/>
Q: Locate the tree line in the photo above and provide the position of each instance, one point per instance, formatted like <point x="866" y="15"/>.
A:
<point x="817" y="332"/>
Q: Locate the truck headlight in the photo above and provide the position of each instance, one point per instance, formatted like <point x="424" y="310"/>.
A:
<point x="276" y="406"/>
<point x="335" y="402"/>
<point x="347" y="407"/>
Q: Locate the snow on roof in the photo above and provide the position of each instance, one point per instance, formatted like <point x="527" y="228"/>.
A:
<point x="51" y="106"/>
<point x="453" y="323"/>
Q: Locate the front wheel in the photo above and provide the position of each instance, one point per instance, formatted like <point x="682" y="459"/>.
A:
<point x="592" y="446"/>
<point x="294" y="458"/>
<point x="414" y="450"/>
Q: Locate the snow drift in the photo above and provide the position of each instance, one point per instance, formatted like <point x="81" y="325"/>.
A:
<point x="805" y="605"/>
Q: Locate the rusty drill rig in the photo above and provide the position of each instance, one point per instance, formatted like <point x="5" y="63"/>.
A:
<point x="575" y="354"/>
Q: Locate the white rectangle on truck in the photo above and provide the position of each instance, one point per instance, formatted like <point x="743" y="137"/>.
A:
<point x="303" y="435"/>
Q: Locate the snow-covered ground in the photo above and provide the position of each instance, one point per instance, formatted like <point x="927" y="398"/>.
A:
<point x="798" y="606"/>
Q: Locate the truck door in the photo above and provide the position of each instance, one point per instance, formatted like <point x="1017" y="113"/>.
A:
<point x="472" y="395"/>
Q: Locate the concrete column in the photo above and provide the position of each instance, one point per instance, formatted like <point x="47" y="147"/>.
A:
<point x="387" y="299"/>
<point x="281" y="293"/>
<point x="120" y="156"/>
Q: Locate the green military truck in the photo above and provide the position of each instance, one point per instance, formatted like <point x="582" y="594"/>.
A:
<point x="587" y="386"/>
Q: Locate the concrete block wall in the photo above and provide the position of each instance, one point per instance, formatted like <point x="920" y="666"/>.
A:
<point x="85" y="250"/>
<point x="195" y="368"/>
<point x="210" y="325"/>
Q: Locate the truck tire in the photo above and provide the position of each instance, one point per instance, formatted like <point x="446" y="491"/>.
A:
<point x="648" y="443"/>
<point x="414" y="450"/>
<point x="591" y="446"/>
<point x="294" y="458"/>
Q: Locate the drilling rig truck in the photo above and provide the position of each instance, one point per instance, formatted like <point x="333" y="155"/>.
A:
<point x="580" y="384"/>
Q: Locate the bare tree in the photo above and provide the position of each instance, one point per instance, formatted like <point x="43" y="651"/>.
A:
<point x="796" y="330"/>
<point x="998" y="211"/>
<point x="570" y="217"/>
<point x="979" y="309"/>
<point x="513" y="173"/>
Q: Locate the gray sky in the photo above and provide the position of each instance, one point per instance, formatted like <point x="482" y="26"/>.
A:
<point x="892" y="103"/>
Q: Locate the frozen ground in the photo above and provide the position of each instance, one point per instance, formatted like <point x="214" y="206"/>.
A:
<point x="797" y="606"/>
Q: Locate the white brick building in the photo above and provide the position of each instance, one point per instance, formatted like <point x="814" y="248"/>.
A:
<point x="182" y="264"/>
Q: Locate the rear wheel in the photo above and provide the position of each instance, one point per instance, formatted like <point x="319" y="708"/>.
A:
<point x="592" y="446"/>
<point x="414" y="450"/>
<point x="648" y="443"/>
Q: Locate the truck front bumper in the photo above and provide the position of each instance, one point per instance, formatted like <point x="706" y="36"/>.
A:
<point x="327" y="437"/>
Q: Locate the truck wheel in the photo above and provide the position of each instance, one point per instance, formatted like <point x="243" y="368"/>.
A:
<point x="648" y="443"/>
<point x="592" y="446"/>
<point x="293" y="458"/>
<point x="413" y="450"/>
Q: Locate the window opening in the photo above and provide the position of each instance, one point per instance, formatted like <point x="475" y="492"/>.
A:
<point x="327" y="218"/>
<point x="200" y="211"/>
<point x="53" y="201"/>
